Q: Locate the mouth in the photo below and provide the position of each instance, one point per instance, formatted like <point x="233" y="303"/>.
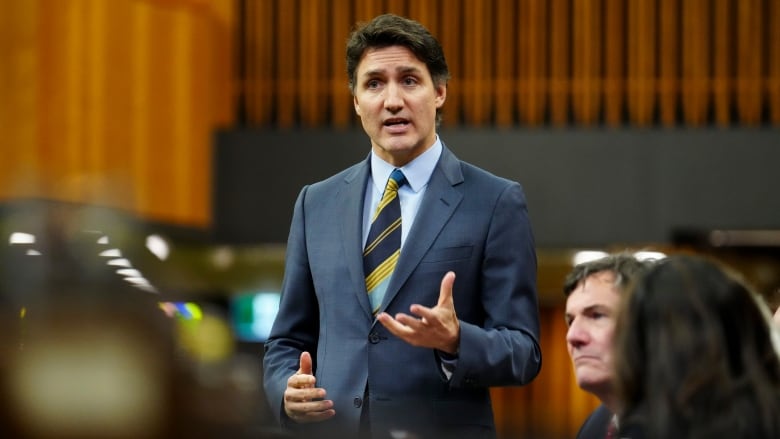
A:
<point x="396" y="122"/>
<point x="584" y="358"/>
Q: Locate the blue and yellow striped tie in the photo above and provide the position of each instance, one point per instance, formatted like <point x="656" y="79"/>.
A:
<point x="384" y="241"/>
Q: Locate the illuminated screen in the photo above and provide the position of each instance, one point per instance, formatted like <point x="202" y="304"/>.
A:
<point x="252" y="315"/>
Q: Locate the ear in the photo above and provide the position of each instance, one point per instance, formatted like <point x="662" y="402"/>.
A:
<point x="357" y="106"/>
<point x="441" y="94"/>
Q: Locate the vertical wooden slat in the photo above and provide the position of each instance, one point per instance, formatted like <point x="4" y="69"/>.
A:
<point x="614" y="61"/>
<point x="160" y="152"/>
<point x="722" y="35"/>
<point x="504" y="90"/>
<point x="179" y="79"/>
<point x="669" y="86"/>
<point x="261" y="60"/>
<point x="286" y="48"/>
<point x="247" y="75"/>
<point x="695" y="60"/>
<point x="341" y="108"/>
<point x="399" y="7"/>
<point x="641" y="61"/>
<point x="773" y="52"/>
<point x="140" y="129"/>
<point x="204" y="45"/>
<point x="18" y="98"/>
<point x="311" y="62"/>
<point x="52" y="98"/>
<point x="222" y="37"/>
<point x="532" y="55"/>
<point x="426" y="12"/>
<point x="559" y="76"/>
<point x="95" y="80"/>
<point x="477" y="63"/>
<point x="451" y="40"/>
<point x="110" y="171"/>
<point x="586" y="60"/>
<point x="366" y="10"/>
<point x="75" y="136"/>
<point x="749" y="48"/>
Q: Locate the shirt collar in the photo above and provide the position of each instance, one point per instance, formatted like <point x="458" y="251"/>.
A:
<point x="417" y="172"/>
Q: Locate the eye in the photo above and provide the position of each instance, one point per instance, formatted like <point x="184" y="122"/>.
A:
<point x="372" y="84"/>
<point x="410" y="80"/>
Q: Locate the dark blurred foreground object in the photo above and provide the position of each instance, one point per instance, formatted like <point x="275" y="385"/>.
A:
<point x="86" y="354"/>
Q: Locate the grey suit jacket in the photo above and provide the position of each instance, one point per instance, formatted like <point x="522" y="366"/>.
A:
<point x="470" y="222"/>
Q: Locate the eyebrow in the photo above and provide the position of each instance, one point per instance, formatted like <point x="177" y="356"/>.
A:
<point x="589" y="308"/>
<point x="402" y="69"/>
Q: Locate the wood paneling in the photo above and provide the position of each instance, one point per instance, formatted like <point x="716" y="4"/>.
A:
<point x="115" y="103"/>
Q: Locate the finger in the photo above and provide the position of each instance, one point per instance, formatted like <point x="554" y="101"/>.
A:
<point x="426" y="314"/>
<point x="410" y="323"/>
<point x="305" y="367"/>
<point x="445" y="292"/>
<point x="392" y="325"/>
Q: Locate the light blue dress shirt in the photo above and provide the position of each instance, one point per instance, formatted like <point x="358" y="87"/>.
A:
<point x="418" y="172"/>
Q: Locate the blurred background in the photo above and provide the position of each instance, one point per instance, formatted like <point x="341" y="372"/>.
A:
<point x="151" y="152"/>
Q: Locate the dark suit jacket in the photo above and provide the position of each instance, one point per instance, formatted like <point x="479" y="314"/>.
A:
<point x="595" y="426"/>
<point x="470" y="222"/>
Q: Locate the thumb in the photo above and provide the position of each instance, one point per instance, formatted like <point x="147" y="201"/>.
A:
<point x="305" y="367"/>
<point x="445" y="292"/>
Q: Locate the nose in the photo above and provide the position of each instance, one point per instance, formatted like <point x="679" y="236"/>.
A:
<point x="577" y="336"/>
<point x="393" y="97"/>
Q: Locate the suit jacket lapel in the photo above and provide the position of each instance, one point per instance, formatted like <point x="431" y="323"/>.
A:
<point x="352" y="230"/>
<point x="438" y="204"/>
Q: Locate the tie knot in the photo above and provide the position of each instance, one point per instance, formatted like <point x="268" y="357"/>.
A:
<point x="397" y="177"/>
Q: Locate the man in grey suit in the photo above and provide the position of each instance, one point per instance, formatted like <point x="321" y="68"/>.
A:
<point x="459" y="313"/>
<point x="594" y="291"/>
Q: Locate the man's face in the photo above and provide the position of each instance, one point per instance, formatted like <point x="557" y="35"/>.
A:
<point x="396" y="100"/>
<point x="591" y="314"/>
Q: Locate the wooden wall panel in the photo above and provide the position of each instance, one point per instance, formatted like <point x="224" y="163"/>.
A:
<point x="115" y="103"/>
<point x="452" y="38"/>
<point x="18" y="106"/>
<point x="532" y="59"/>
<point x="312" y="62"/>
<point x="641" y="59"/>
<point x="614" y="37"/>
<point x="505" y="61"/>
<point x="105" y="100"/>
<point x="722" y="61"/>
<point x="286" y="37"/>
<point x="477" y="72"/>
<point x="559" y="58"/>
<point x="749" y="60"/>
<point x="695" y="57"/>
<point x="341" y="106"/>
<point x="668" y="83"/>
<point x="586" y="61"/>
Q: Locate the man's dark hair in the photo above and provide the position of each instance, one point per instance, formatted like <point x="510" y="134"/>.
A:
<point x="625" y="266"/>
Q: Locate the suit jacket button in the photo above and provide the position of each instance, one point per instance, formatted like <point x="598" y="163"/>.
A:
<point x="357" y="402"/>
<point x="373" y="338"/>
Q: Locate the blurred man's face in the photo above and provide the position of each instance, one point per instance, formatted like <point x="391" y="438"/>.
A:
<point x="591" y="315"/>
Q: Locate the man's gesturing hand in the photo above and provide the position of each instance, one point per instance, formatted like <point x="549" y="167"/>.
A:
<point x="303" y="402"/>
<point x="436" y="328"/>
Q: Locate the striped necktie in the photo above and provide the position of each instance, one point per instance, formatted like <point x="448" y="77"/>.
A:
<point x="384" y="241"/>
